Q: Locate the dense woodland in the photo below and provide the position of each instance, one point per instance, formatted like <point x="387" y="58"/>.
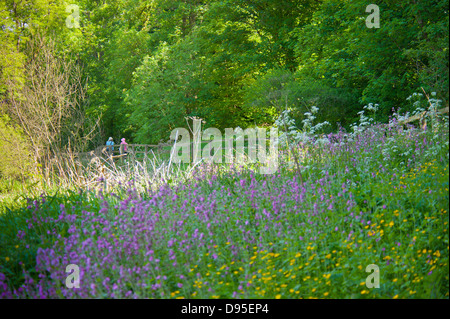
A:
<point x="71" y="78"/>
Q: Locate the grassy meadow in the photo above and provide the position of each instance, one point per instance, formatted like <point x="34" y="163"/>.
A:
<point x="376" y="196"/>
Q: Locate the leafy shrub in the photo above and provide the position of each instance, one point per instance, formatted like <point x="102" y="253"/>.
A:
<point x="15" y="154"/>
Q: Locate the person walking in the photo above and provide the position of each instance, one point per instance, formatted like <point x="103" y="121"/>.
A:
<point x="123" y="146"/>
<point x="109" y="144"/>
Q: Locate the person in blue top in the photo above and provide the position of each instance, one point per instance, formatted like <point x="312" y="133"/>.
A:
<point x="109" y="143"/>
